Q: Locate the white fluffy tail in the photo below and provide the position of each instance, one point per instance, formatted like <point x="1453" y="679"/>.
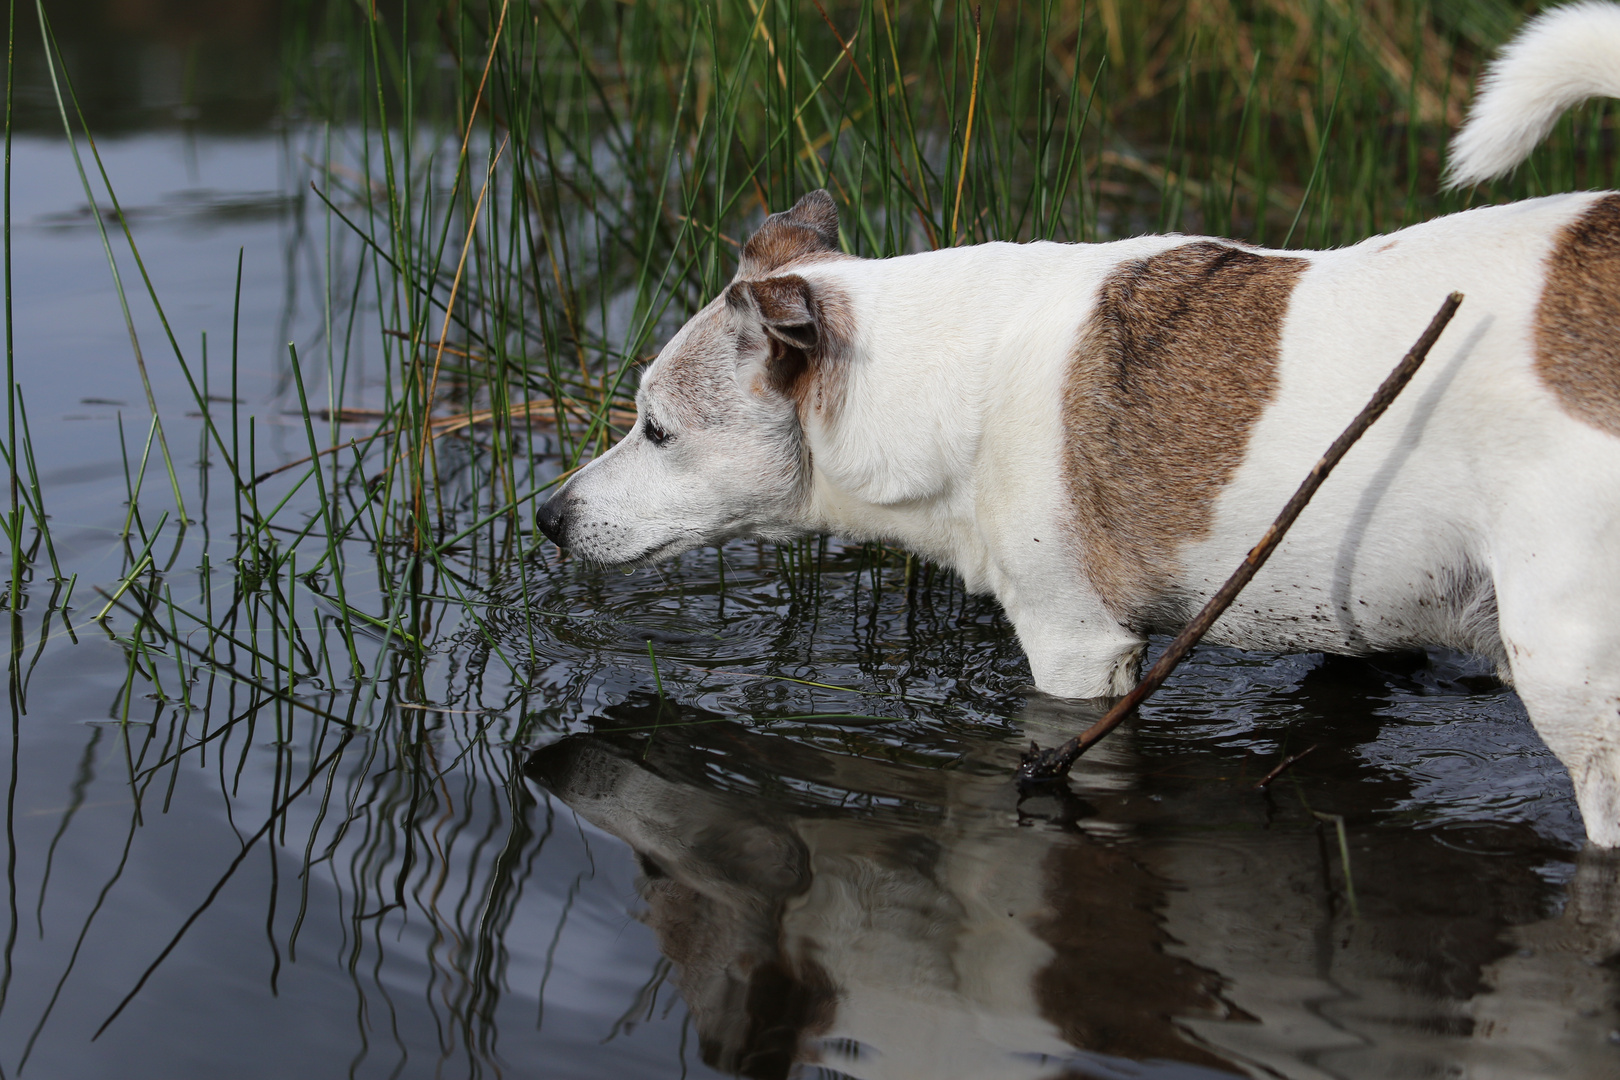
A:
<point x="1560" y="58"/>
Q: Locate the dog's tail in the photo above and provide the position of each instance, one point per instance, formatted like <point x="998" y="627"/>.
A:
<point x="1560" y="58"/>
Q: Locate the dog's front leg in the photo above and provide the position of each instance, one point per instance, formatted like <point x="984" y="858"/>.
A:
<point x="1075" y="648"/>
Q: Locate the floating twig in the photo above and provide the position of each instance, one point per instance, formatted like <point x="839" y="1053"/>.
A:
<point x="1039" y="765"/>
<point x="1282" y="766"/>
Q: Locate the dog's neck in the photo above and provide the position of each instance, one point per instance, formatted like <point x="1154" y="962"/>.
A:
<point x="895" y="458"/>
<point x="948" y="345"/>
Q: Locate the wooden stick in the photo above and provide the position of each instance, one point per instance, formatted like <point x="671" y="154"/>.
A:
<point x="1281" y="767"/>
<point x="1053" y="764"/>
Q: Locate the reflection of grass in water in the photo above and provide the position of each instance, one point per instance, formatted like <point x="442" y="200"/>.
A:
<point x="512" y="295"/>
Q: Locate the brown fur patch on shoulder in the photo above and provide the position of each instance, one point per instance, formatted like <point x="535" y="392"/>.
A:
<point x="1170" y="373"/>
<point x="1577" y="329"/>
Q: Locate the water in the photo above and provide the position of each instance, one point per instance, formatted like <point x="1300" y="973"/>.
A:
<point x="723" y="869"/>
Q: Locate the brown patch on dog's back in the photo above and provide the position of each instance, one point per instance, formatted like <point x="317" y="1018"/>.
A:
<point x="1577" y="334"/>
<point x="1171" y="371"/>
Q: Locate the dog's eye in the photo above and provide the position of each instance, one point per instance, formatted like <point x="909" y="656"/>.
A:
<point x="655" y="434"/>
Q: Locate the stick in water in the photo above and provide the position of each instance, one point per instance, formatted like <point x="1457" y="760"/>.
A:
<point x="1039" y="765"/>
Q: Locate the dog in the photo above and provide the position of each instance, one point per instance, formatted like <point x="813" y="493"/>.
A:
<point x="1097" y="433"/>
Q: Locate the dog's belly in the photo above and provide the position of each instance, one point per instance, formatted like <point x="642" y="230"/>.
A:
<point x="1448" y="607"/>
<point x="1392" y="554"/>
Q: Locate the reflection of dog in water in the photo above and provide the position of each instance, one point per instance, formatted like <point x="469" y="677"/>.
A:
<point x="883" y="920"/>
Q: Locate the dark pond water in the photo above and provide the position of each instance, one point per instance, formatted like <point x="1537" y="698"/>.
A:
<point x="723" y="868"/>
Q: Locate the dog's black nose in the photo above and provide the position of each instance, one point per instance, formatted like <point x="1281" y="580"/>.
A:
<point x="553" y="520"/>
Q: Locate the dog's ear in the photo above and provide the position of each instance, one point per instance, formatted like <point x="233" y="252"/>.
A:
<point x="810" y="227"/>
<point x="786" y="307"/>
<point x="810" y="328"/>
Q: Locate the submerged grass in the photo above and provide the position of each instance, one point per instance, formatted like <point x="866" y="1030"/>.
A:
<point x="518" y="199"/>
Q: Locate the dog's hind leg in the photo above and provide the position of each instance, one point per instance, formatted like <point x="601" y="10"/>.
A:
<point x="1558" y="597"/>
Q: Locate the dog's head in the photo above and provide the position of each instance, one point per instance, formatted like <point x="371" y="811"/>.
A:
<point x="718" y="447"/>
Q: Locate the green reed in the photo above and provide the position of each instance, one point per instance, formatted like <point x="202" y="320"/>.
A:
<point x="13" y="528"/>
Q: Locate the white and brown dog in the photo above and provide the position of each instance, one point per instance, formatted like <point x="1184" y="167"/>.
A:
<point x="1097" y="433"/>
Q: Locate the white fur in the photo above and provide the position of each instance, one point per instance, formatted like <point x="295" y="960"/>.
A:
<point x="1560" y="58"/>
<point x="1477" y="514"/>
